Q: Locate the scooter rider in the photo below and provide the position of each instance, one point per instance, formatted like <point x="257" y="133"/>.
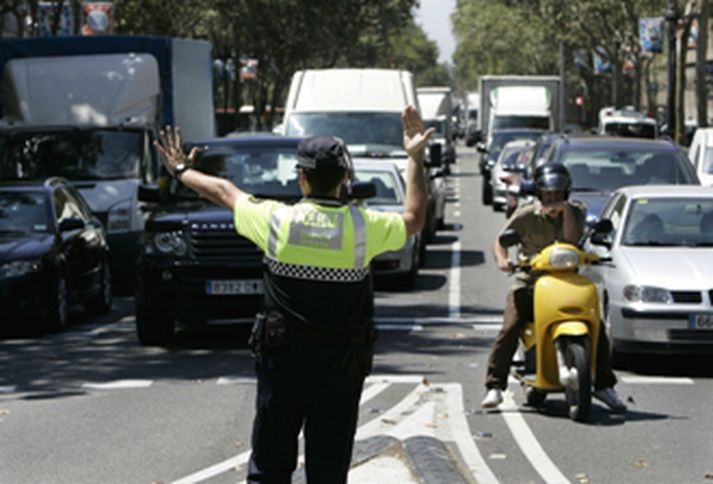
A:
<point x="550" y="218"/>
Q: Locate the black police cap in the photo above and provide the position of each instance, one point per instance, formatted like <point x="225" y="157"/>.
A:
<point x="322" y="152"/>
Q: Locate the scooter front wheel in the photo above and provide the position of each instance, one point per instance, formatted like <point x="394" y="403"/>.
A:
<point x="579" y="389"/>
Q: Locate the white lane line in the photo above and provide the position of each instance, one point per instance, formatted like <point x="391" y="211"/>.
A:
<point x="454" y="282"/>
<point x="486" y="327"/>
<point x="8" y="388"/>
<point x="236" y="380"/>
<point x="456" y="213"/>
<point x="456" y="205"/>
<point x="118" y="384"/>
<point x="399" y="327"/>
<point x="463" y="438"/>
<point x="485" y="318"/>
<point x="371" y="379"/>
<point x="657" y="380"/>
<point x="528" y="443"/>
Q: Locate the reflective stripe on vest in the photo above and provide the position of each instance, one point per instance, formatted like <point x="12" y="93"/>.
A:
<point x="318" y="230"/>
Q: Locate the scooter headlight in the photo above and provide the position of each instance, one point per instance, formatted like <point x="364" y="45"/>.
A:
<point x="562" y="258"/>
<point x="647" y="294"/>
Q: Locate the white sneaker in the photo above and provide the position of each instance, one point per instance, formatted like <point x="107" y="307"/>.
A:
<point x="492" y="399"/>
<point x="611" y="399"/>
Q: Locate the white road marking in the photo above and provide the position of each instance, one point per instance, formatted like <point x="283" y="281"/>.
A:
<point x="454" y="282"/>
<point x="236" y="380"/>
<point x="494" y="319"/>
<point x="8" y="388"/>
<point x="372" y="391"/>
<point x="118" y="384"/>
<point x="486" y="327"/>
<point x="656" y="380"/>
<point x="399" y="327"/>
<point x="456" y="205"/>
<point x="394" y="379"/>
<point x="456" y="213"/>
<point x="528" y="442"/>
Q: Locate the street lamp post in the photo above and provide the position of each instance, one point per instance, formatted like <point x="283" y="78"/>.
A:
<point x="671" y="20"/>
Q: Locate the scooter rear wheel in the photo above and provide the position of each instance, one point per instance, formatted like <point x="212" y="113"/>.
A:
<point x="579" y="390"/>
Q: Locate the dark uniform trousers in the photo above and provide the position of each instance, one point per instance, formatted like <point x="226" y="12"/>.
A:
<point x="518" y="311"/>
<point x="304" y="384"/>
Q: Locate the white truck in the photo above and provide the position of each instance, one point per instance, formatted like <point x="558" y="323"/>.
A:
<point x="512" y="102"/>
<point x="363" y="107"/>
<point x="437" y="112"/>
<point x="88" y="109"/>
<point x="472" y="128"/>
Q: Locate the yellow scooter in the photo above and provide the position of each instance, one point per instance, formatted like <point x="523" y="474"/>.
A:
<point x="560" y="344"/>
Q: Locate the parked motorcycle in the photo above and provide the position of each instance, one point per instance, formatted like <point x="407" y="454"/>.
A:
<point x="560" y="343"/>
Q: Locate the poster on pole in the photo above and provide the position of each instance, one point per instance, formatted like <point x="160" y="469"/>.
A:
<point x="47" y="13"/>
<point x="651" y="34"/>
<point x="248" y="68"/>
<point x="600" y="60"/>
<point x="98" y="18"/>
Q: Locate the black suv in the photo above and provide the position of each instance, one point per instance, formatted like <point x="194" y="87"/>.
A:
<point x="193" y="266"/>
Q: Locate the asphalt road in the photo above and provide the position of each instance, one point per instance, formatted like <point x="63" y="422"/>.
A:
<point x="92" y="406"/>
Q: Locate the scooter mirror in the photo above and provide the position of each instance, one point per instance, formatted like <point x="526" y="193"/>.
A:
<point x="509" y="238"/>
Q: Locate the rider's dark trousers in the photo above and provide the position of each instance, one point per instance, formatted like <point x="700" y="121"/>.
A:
<point x="519" y="310"/>
<point x="304" y="385"/>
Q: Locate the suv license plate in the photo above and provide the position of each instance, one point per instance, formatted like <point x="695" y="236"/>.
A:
<point x="702" y="321"/>
<point x="228" y="287"/>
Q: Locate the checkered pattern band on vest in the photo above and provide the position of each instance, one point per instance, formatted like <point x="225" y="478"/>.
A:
<point x="312" y="273"/>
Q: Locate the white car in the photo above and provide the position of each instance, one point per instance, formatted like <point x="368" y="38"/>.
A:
<point x="656" y="292"/>
<point x="403" y="264"/>
<point x="701" y="155"/>
<point x="500" y="176"/>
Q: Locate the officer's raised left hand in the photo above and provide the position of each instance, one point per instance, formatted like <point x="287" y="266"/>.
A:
<point x="415" y="135"/>
<point x="170" y="148"/>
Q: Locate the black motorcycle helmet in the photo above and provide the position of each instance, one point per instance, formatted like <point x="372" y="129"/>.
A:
<point x="552" y="177"/>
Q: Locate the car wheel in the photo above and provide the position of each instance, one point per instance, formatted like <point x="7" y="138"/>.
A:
<point x="487" y="193"/>
<point x="152" y="328"/>
<point x="101" y="302"/>
<point x="58" y="312"/>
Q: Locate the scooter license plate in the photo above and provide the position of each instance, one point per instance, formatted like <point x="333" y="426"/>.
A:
<point x="230" y="287"/>
<point x="701" y="321"/>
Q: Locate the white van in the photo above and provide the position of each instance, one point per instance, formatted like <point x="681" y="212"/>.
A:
<point x="437" y="110"/>
<point x="362" y="107"/>
<point x="701" y="155"/>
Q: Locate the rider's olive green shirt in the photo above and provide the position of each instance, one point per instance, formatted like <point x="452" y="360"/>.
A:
<point x="538" y="230"/>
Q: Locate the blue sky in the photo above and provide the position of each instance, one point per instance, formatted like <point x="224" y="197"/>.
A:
<point x="434" y="18"/>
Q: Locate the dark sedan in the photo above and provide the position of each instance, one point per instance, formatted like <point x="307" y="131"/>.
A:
<point x="600" y="165"/>
<point x="53" y="253"/>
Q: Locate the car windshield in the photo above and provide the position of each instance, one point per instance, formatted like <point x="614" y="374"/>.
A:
<point x="630" y="130"/>
<point x="74" y="154"/>
<point x="669" y="222"/>
<point x="378" y="133"/>
<point x="264" y="171"/>
<point x="502" y="138"/>
<point x="387" y="192"/>
<point x="608" y="169"/>
<point x="22" y="212"/>
<point x="506" y="122"/>
<point x="440" y="125"/>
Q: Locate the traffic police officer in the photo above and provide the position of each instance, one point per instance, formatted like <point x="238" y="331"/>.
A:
<point x="313" y="338"/>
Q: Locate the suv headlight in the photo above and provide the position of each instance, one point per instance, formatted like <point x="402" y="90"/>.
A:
<point x="647" y="294"/>
<point x="170" y="243"/>
<point x="119" y="218"/>
<point x="561" y="258"/>
<point x="19" y="268"/>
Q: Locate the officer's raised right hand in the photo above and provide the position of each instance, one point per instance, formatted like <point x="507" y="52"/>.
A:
<point x="415" y="135"/>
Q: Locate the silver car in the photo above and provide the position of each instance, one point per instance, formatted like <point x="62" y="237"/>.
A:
<point x="657" y="291"/>
<point x="500" y="177"/>
<point x="402" y="264"/>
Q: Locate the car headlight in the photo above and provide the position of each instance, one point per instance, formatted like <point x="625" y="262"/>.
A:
<point x="19" y="268"/>
<point x="561" y="258"/>
<point x="170" y="243"/>
<point x="119" y="218"/>
<point x="647" y="294"/>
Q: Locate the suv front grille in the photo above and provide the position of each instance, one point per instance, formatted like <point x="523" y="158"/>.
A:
<point x="228" y="246"/>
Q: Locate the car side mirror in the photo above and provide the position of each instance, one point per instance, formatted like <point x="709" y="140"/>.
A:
<point x="480" y="148"/>
<point x="509" y="238"/>
<point x="601" y="233"/>
<point x="435" y="155"/>
<point x="72" y="223"/>
<point x="149" y="193"/>
<point x="362" y="190"/>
